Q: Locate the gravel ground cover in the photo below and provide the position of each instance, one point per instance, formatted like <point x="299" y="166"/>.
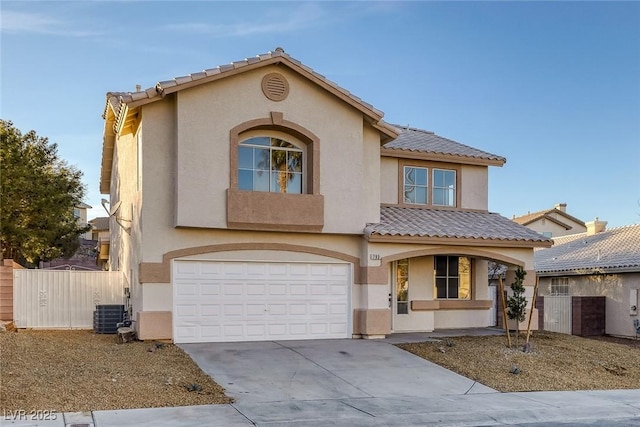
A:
<point x="556" y="362"/>
<point x="69" y="371"/>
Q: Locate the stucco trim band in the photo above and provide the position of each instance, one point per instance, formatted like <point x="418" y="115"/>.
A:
<point x="424" y="305"/>
<point x="160" y="272"/>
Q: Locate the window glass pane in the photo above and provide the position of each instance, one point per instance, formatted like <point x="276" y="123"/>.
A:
<point x="260" y="140"/>
<point x="449" y="179"/>
<point x="452" y="287"/>
<point x="421" y="176"/>
<point x="438" y="197"/>
<point x="453" y="266"/>
<point x="409" y="176"/>
<point x="441" y="287"/>
<point x="295" y="183"/>
<point x="294" y="161"/>
<point x="438" y="179"/>
<point x="441" y="265"/>
<point x="276" y="142"/>
<point x="464" y="284"/>
<point x="421" y="195"/>
<point x="278" y="160"/>
<point x="403" y="308"/>
<point x="409" y="194"/>
<point x="245" y="179"/>
<point x="279" y="182"/>
<point x="261" y="159"/>
<point x="402" y="286"/>
<point x="245" y="157"/>
<point x="260" y="181"/>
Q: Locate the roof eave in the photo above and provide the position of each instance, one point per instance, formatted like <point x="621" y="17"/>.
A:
<point x="441" y="157"/>
<point x="456" y="241"/>
<point x="588" y="271"/>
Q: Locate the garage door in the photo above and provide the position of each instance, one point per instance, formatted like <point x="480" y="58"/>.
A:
<point x="220" y="301"/>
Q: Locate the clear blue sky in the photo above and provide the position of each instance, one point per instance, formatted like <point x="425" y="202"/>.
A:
<point x="552" y="86"/>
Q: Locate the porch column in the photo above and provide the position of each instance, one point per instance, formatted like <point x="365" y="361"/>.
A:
<point x="371" y="314"/>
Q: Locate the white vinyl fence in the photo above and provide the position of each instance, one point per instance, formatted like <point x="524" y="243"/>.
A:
<point x="63" y="299"/>
<point x="557" y="314"/>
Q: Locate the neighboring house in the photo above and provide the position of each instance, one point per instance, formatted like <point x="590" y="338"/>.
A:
<point x="80" y="213"/>
<point x="260" y="201"/>
<point x="552" y="222"/>
<point x="100" y="234"/>
<point x="598" y="262"/>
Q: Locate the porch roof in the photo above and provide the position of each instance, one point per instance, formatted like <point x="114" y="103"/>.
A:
<point x="464" y="227"/>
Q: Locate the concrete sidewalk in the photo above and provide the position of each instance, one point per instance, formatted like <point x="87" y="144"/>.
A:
<point x="575" y="408"/>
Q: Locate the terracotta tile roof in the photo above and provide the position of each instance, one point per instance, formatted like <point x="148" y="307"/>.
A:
<point x="435" y="223"/>
<point x="418" y="140"/>
<point x="531" y="217"/>
<point x="617" y="248"/>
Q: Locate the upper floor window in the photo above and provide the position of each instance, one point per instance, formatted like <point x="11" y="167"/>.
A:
<point x="436" y="189"/>
<point x="453" y="277"/>
<point x="76" y="213"/>
<point x="270" y="164"/>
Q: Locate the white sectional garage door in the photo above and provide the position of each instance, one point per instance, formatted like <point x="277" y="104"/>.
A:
<point x="221" y="301"/>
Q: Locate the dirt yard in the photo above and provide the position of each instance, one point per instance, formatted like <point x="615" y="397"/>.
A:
<point x="68" y="371"/>
<point x="557" y="362"/>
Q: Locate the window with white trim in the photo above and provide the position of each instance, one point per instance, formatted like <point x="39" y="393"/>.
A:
<point x="444" y="187"/>
<point x="416" y="185"/>
<point x="452" y="277"/>
<point x="560" y="286"/>
<point x="270" y="164"/>
<point x="435" y="187"/>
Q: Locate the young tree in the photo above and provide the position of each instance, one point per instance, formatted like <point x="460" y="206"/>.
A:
<point x="38" y="192"/>
<point x="517" y="302"/>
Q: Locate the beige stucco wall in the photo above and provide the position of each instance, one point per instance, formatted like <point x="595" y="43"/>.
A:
<point x="125" y="247"/>
<point x="205" y="115"/>
<point x="615" y="287"/>
<point x="474" y="183"/>
<point x="389" y="180"/>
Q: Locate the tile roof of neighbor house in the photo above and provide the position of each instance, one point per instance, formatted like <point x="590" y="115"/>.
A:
<point x="418" y="140"/>
<point x="441" y="223"/>
<point x="607" y="251"/>
<point x="100" y="223"/>
<point x="531" y="217"/>
<point x="83" y="205"/>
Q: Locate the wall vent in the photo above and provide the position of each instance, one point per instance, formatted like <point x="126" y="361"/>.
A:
<point x="275" y="86"/>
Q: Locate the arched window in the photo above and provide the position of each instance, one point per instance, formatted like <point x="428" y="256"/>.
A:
<point x="270" y="164"/>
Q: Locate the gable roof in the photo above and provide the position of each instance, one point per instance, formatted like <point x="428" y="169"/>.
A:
<point x="455" y="226"/>
<point x="100" y="223"/>
<point x="121" y="107"/>
<point x="614" y="250"/>
<point x="423" y="144"/>
<point x="547" y="214"/>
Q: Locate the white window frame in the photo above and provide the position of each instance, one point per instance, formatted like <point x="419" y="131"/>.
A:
<point x="446" y="189"/>
<point x="415" y="187"/>
<point x="560" y="286"/>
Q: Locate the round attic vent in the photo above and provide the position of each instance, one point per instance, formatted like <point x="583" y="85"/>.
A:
<point x="275" y="86"/>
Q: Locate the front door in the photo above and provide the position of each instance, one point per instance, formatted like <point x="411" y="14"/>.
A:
<point x="400" y="294"/>
<point x="412" y="280"/>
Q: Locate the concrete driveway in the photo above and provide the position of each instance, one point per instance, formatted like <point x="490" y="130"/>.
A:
<point x="260" y="372"/>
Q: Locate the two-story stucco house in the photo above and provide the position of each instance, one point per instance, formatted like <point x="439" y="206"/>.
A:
<point x="260" y="201"/>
